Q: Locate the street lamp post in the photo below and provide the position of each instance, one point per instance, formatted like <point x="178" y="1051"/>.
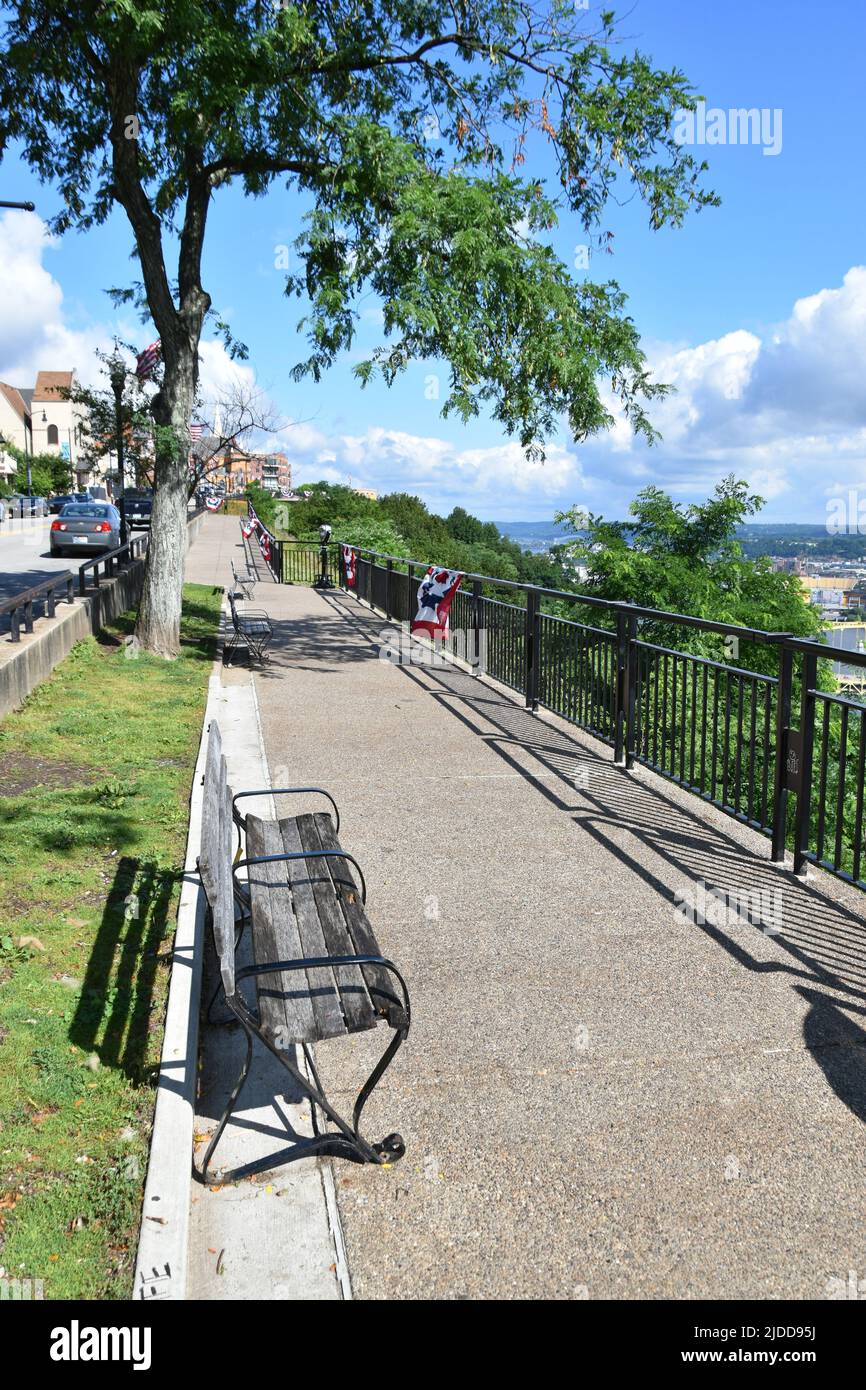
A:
<point x="23" y="207"/>
<point x="117" y="375"/>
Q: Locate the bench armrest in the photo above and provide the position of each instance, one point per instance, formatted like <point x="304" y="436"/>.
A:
<point x="281" y="791"/>
<point x="305" y="854"/>
<point x="274" y="967"/>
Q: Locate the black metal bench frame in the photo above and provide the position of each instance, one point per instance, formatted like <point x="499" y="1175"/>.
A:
<point x="246" y="581"/>
<point x="222" y="890"/>
<point x="252" y="628"/>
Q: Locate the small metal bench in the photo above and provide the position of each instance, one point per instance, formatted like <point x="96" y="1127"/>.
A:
<point x="319" y="972"/>
<point x="246" y="581"/>
<point x="251" y="628"/>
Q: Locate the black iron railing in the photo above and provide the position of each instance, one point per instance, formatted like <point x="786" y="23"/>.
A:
<point x="20" y="608"/>
<point x="270" y="547"/>
<point x="111" y="562"/>
<point x="768" y="747"/>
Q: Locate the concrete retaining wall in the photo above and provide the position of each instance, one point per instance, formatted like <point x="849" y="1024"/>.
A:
<point x="26" y="664"/>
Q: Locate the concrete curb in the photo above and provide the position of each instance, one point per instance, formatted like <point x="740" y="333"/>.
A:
<point x="161" y="1263"/>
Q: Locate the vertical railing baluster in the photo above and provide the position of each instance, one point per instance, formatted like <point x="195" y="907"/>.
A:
<point x="783" y="722"/>
<point x="803" y="820"/>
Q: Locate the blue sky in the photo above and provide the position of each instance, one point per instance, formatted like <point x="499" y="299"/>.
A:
<point x="755" y="310"/>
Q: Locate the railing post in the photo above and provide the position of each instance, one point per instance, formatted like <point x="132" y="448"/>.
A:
<point x="783" y="729"/>
<point x="531" y="645"/>
<point x="389" y="568"/>
<point x="410" y="575"/>
<point x="807" y="743"/>
<point x="620" y="693"/>
<point x="476" y="627"/>
<point x="632" y="668"/>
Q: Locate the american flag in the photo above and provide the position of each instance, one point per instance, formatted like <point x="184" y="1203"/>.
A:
<point x="435" y="593"/>
<point x="147" y="360"/>
<point x="349" y="556"/>
<point x="196" y="432"/>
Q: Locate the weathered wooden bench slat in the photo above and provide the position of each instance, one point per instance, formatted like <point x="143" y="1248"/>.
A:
<point x="354" y="996"/>
<point x="302" y="875"/>
<point x="301" y="910"/>
<point x="215" y="858"/>
<point x="383" y="994"/>
<point x="285" y="1006"/>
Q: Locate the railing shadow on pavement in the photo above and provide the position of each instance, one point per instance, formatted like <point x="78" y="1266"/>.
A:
<point x="824" y="940"/>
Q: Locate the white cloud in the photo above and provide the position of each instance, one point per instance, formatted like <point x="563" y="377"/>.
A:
<point x="486" y="478"/>
<point x="34" y="334"/>
<point x="218" y="374"/>
<point x="785" y="410"/>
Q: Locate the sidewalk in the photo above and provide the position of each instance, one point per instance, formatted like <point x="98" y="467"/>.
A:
<point x="598" y="1099"/>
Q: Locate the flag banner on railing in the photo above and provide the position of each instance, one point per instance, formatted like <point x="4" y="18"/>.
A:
<point x="349" y="558"/>
<point x="435" y="593"/>
<point x="213" y="504"/>
<point x="248" y="527"/>
<point x="265" y="545"/>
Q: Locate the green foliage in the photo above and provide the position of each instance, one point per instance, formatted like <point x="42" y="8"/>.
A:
<point x="48" y="472"/>
<point x="264" y="503"/>
<point x="686" y="559"/>
<point x="95" y="774"/>
<point x="98" y="413"/>
<point x="411" y="132"/>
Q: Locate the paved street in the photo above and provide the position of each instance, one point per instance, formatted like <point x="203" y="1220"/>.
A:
<point x="599" y="1098"/>
<point x="25" y="558"/>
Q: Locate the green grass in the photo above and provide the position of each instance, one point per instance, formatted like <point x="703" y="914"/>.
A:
<point x="95" y="777"/>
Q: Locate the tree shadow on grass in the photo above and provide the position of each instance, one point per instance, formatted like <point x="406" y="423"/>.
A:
<point x="113" y="1017"/>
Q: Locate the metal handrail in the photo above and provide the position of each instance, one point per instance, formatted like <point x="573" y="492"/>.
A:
<point x="632" y="610"/>
<point x="683" y="714"/>
<point x="110" y="558"/>
<point x="26" y="599"/>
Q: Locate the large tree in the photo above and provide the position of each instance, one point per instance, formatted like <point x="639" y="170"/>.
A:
<point x="412" y="134"/>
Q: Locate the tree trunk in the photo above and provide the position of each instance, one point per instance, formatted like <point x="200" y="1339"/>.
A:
<point x="158" y="627"/>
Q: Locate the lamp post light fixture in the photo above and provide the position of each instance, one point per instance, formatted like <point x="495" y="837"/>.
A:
<point x="117" y="377"/>
<point x="23" y="207"/>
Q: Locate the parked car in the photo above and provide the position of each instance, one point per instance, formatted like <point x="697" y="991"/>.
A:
<point x="85" y="526"/>
<point x="56" y="504"/>
<point x="138" y="507"/>
<point x="22" y="505"/>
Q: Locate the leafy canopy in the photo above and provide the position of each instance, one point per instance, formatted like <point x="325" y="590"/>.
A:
<point x="412" y="133"/>
<point x="687" y="559"/>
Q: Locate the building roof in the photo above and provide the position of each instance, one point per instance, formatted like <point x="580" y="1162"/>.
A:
<point x="48" y="385"/>
<point x="15" y="399"/>
<point x="828" y="581"/>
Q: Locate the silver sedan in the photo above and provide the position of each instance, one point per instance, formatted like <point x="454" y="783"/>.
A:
<point x="85" y="526"/>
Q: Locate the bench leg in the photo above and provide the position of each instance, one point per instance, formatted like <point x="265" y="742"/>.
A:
<point x="391" y="1147"/>
<point x="202" y="1174"/>
<point x="230" y="648"/>
<point x="347" y="1143"/>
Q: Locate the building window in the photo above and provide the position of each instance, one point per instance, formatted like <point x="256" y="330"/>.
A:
<point x="53" y="436"/>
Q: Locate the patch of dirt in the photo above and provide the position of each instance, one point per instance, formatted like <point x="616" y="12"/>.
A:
<point x="20" y="773"/>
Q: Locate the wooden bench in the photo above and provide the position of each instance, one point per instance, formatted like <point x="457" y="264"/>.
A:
<point x="318" y="972"/>
<point x="251" y="628"/>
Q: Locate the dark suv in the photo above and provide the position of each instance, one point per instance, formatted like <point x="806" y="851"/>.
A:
<point x="138" y="507"/>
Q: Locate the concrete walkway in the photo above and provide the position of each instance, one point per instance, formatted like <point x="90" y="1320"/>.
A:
<point x="599" y="1098"/>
